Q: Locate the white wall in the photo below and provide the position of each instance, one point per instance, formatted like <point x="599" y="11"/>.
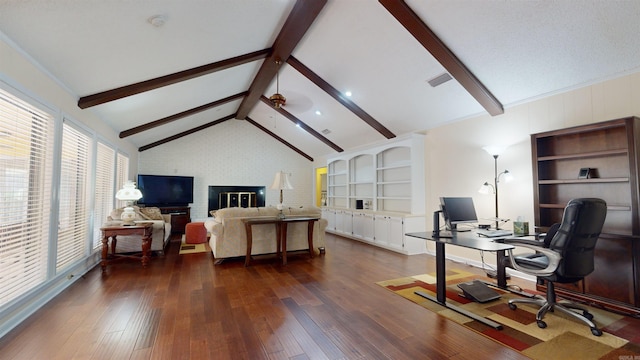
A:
<point x="18" y="70"/>
<point x="457" y="165"/>
<point x="231" y="153"/>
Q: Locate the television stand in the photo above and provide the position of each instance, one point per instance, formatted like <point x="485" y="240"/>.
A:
<point x="180" y="217"/>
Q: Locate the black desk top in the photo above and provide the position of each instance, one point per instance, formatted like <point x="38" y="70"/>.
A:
<point x="465" y="239"/>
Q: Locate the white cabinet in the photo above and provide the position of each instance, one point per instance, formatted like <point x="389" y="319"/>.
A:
<point x="383" y="230"/>
<point x="363" y="226"/>
<point x="330" y="215"/>
<point x="389" y="232"/>
<point x="344" y="224"/>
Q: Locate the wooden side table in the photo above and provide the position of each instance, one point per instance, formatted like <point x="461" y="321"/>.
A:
<point x="142" y="229"/>
<point x="281" y="234"/>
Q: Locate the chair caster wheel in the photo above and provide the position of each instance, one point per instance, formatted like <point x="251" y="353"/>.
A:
<point x="596" y="331"/>
<point x="541" y="324"/>
<point x="512" y="306"/>
<point x="588" y="315"/>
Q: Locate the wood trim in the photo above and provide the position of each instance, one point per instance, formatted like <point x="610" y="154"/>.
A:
<point x="279" y="139"/>
<point x="304" y="126"/>
<point x="147" y="85"/>
<point x="185" y="133"/>
<point x="334" y="93"/>
<point x="168" y="119"/>
<point x="410" y="20"/>
<point x="300" y="19"/>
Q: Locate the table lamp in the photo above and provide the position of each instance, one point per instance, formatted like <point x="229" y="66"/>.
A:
<point x="281" y="182"/>
<point x="129" y="194"/>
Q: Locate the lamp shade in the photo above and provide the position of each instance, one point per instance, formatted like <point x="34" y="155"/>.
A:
<point x="129" y="192"/>
<point x="494" y="149"/>
<point x="281" y="181"/>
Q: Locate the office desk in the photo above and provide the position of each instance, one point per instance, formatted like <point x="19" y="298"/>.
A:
<point x="469" y="240"/>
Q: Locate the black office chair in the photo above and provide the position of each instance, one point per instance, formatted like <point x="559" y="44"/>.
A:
<point x="565" y="256"/>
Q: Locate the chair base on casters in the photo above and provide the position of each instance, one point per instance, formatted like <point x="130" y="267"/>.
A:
<point x="550" y="304"/>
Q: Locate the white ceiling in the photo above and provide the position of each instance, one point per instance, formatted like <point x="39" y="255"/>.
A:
<point x="519" y="50"/>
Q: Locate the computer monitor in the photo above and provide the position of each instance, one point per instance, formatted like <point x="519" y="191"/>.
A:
<point x="456" y="210"/>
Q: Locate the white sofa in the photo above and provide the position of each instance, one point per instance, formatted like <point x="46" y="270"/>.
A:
<point x="229" y="238"/>
<point x="159" y="237"/>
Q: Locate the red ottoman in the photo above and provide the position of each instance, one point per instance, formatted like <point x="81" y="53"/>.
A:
<point x="195" y="233"/>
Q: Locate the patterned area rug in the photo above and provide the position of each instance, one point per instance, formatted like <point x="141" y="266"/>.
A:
<point x="564" y="338"/>
<point x="192" y="248"/>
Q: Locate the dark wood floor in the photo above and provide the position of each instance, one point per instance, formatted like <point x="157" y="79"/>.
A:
<point x="185" y="307"/>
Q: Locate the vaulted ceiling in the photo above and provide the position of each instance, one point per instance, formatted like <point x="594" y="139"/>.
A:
<point x="159" y="70"/>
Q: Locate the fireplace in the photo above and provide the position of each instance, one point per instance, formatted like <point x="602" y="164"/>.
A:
<point x="236" y="196"/>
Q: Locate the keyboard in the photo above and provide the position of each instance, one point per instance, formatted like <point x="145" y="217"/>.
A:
<point x="494" y="233"/>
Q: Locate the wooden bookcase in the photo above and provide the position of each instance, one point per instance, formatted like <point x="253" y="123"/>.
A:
<point x="610" y="150"/>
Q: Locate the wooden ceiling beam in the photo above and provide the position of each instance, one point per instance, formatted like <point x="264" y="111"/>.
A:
<point x="279" y="139"/>
<point x="302" y="15"/>
<point x="302" y="125"/>
<point x="334" y="93"/>
<point x="185" y="133"/>
<point x="152" y="84"/>
<point x="425" y="36"/>
<point x="168" y="119"/>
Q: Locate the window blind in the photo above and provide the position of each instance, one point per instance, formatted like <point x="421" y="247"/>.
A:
<point x="26" y="159"/>
<point x="122" y="175"/>
<point x="104" y="191"/>
<point x="73" y="213"/>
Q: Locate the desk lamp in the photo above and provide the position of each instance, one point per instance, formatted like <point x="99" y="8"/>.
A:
<point x="487" y="188"/>
<point x="281" y="182"/>
<point x="129" y="194"/>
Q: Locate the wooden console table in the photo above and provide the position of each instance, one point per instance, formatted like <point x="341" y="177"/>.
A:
<point x="281" y="234"/>
<point x="142" y="229"/>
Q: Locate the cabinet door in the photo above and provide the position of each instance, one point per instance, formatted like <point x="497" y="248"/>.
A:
<point x="367" y="227"/>
<point x="358" y="225"/>
<point x="330" y="216"/>
<point x="339" y="221"/>
<point x="396" y="232"/>
<point x="381" y="230"/>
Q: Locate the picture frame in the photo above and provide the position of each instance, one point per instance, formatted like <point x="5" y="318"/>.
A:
<point x="585" y="173"/>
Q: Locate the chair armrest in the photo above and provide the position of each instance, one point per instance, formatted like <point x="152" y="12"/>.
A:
<point x="523" y="240"/>
<point x="554" y="258"/>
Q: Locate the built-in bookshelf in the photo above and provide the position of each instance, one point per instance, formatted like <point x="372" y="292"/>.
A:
<point x="595" y="160"/>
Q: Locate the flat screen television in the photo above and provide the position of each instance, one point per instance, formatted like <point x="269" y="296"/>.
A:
<point x="457" y="210"/>
<point x="160" y="190"/>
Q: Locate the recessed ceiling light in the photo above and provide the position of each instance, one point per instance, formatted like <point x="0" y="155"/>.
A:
<point x="348" y="93"/>
<point x="157" y="20"/>
<point x="318" y="112"/>
<point x="326" y="131"/>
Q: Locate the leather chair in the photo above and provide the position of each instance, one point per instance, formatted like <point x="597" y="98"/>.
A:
<point x="566" y="256"/>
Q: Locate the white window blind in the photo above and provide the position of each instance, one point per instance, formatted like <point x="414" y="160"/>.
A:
<point x="122" y="175"/>
<point x="26" y="158"/>
<point x="104" y="191"/>
<point x="73" y="214"/>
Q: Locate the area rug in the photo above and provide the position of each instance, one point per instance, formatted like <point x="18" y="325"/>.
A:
<point x="191" y="248"/>
<point x="564" y="338"/>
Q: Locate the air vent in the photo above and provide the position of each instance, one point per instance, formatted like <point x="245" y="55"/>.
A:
<point x="439" y="80"/>
<point x="326" y="131"/>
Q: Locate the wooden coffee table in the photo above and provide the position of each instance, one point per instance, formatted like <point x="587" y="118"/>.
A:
<point x="111" y="232"/>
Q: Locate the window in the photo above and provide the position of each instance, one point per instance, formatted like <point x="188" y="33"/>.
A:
<point x="73" y="213"/>
<point x="26" y="159"/>
<point x="122" y="175"/>
<point x="104" y="189"/>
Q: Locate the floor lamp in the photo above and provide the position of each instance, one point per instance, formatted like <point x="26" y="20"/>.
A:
<point x="487" y="188"/>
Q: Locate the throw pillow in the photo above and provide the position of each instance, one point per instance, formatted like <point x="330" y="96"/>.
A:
<point x="151" y="213"/>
